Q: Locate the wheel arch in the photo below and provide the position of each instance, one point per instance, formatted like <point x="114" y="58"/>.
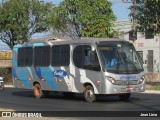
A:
<point x="86" y="84"/>
<point x="36" y="82"/>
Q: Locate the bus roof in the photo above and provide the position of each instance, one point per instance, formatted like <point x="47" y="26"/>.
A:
<point x="72" y="40"/>
<point x="68" y="40"/>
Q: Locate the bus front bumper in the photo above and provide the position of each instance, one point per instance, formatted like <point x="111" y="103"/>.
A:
<point x="116" y="89"/>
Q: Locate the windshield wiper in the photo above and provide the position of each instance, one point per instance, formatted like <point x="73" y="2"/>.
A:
<point x="127" y="60"/>
<point x="131" y="63"/>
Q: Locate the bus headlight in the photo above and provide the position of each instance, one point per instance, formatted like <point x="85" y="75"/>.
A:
<point x="112" y="80"/>
<point x="140" y="81"/>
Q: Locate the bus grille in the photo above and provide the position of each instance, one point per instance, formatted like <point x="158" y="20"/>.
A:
<point x="127" y="82"/>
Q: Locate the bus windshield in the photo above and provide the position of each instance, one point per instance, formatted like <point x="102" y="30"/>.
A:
<point x="119" y="57"/>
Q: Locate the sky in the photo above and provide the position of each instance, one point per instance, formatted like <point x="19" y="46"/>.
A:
<point x="119" y="8"/>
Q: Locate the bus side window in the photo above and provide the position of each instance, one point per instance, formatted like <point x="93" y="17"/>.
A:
<point x="61" y="55"/>
<point x="25" y="55"/>
<point x="85" y="58"/>
<point x="42" y="56"/>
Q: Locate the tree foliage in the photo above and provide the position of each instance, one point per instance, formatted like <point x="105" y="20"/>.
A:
<point x="20" y="19"/>
<point x="82" y="18"/>
<point x="147" y="14"/>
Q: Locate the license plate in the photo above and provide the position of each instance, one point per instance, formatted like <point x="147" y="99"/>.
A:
<point x="129" y="88"/>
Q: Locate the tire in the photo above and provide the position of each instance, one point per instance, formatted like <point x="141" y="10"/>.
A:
<point x="89" y="94"/>
<point x="38" y="93"/>
<point x="125" y="96"/>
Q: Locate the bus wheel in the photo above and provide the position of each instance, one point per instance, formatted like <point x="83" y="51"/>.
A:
<point x="124" y="96"/>
<point x="38" y="93"/>
<point x="89" y="94"/>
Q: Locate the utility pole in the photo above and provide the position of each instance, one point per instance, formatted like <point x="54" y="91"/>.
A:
<point x="134" y="21"/>
<point x="155" y="27"/>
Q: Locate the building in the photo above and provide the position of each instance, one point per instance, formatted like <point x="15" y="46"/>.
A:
<point x="5" y="58"/>
<point x="147" y="45"/>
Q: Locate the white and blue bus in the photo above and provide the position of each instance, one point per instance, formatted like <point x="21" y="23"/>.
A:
<point x="92" y="66"/>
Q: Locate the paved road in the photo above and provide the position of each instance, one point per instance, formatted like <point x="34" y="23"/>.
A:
<point x="23" y="100"/>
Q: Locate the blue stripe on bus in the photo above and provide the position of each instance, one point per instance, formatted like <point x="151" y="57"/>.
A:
<point x="14" y="61"/>
<point x="38" y="72"/>
<point x="17" y="46"/>
<point x="48" y="77"/>
<point x="38" y="44"/>
<point x="51" y="68"/>
<point x="29" y="45"/>
<point x="14" y="73"/>
<point x="16" y="50"/>
<point x="13" y="57"/>
<point x="29" y="69"/>
<point x="23" y="77"/>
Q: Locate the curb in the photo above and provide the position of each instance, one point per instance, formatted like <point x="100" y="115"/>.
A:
<point x="4" y="110"/>
<point x="152" y="91"/>
<point x="9" y="86"/>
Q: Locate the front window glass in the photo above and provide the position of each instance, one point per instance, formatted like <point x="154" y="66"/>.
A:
<point x="119" y="57"/>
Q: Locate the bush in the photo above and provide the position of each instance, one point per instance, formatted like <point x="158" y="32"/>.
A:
<point x="7" y="74"/>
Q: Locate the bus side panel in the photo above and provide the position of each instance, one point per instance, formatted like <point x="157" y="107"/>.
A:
<point x="22" y="77"/>
<point x="62" y="80"/>
<point x="19" y="74"/>
<point x="93" y="77"/>
<point x="81" y="77"/>
<point x="45" y="76"/>
<point x="26" y="76"/>
<point x="42" y="75"/>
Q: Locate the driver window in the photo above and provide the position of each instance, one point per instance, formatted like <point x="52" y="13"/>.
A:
<point x="84" y="57"/>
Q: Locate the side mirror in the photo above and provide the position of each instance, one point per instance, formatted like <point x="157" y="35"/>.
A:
<point x="93" y="48"/>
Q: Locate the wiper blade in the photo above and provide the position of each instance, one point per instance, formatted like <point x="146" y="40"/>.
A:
<point x="130" y="62"/>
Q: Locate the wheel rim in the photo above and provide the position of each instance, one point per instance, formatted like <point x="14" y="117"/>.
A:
<point x="89" y="94"/>
<point x="37" y="91"/>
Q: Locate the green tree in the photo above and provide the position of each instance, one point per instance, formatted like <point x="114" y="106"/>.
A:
<point x="82" y="18"/>
<point x="147" y="14"/>
<point x="20" y="19"/>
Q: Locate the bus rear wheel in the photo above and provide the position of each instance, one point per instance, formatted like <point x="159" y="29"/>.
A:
<point x="89" y="94"/>
<point x="124" y="96"/>
<point x="38" y="93"/>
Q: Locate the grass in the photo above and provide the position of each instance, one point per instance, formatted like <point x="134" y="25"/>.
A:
<point x="153" y="87"/>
